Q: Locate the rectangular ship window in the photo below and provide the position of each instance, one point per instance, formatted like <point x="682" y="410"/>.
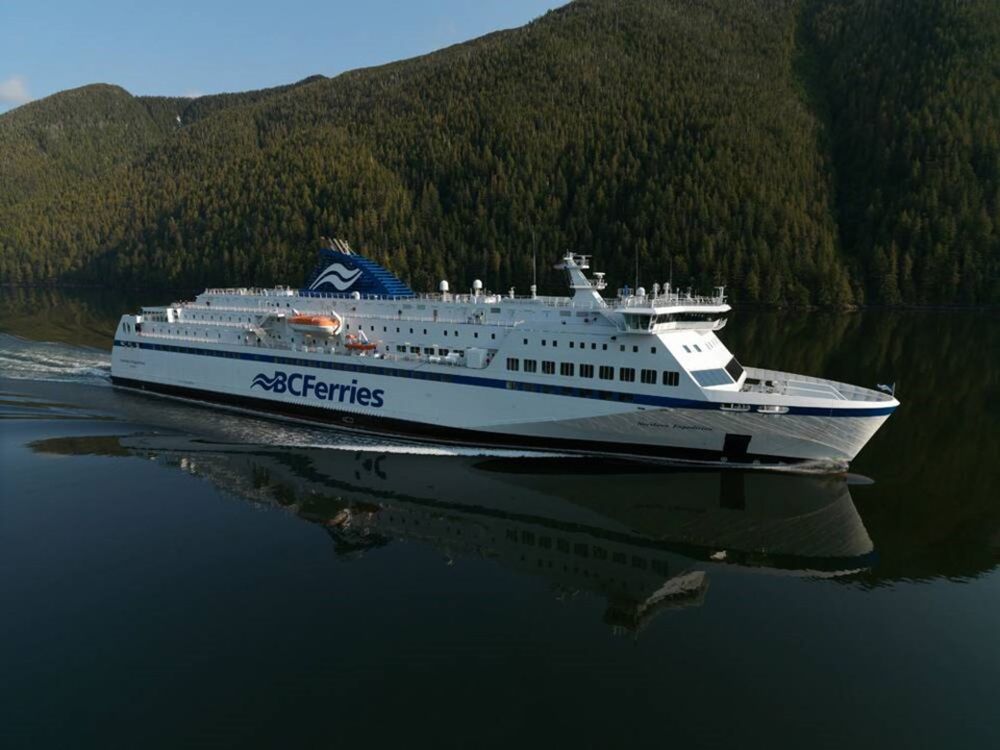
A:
<point x="670" y="377"/>
<point x="512" y="363"/>
<point x="607" y="372"/>
<point x="548" y="368"/>
<point x="626" y="374"/>
<point x="735" y="369"/>
<point x="648" y="377"/>
<point x="586" y="371"/>
<point x="566" y="368"/>
<point x="530" y="365"/>
<point x="707" y="378"/>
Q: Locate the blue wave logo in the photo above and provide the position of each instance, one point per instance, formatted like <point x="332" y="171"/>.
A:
<point x="337" y="275"/>
<point x="268" y="384"/>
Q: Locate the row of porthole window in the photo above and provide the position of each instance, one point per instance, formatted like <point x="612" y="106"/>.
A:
<point x="604" y="372"/>
<point x="593" y="346"/>
<point x="179" y="332"/>
<point x="385" y="329"/>
<point x="402" y="349"/>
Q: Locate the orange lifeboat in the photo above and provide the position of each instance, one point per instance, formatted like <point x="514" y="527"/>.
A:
<point x="316" y="325"/>
<point x="353" y="344"/>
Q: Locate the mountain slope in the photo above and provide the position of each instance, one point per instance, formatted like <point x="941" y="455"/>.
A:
<point x="672" y="132"/>
<point x="915" y="88"/>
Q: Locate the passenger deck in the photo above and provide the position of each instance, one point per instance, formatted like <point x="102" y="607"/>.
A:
<point x="789" y="384"/>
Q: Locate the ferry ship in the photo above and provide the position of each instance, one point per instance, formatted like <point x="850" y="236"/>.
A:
<point x="642" y="375"/>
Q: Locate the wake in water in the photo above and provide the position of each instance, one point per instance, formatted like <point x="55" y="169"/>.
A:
<point x="21" y="359"/>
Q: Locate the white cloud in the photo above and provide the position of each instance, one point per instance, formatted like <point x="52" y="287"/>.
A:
<point x="192" y="94"/>
<point x="14" y="90"/>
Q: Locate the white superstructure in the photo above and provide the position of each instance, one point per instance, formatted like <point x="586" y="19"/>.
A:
<point x="641" y="375"/>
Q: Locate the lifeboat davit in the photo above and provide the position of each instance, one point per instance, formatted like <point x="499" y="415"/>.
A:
<point x="315" y="325"/>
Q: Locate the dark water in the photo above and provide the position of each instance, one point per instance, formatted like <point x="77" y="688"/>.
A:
<point x="174" y="576"/>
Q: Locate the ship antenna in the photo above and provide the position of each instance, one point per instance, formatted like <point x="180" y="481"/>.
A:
<point x="534" y="260"/>
<point x="534" y="265"/>
<point x="636" y="266"/>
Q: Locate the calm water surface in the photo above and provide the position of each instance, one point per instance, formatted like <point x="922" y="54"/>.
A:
<point x="176" y="576"/>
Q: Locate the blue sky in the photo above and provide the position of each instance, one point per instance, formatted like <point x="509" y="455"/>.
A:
<point x="184" y="48"/>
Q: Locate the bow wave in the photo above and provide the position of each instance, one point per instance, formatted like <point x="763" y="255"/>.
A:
<point x="339" y="276"/>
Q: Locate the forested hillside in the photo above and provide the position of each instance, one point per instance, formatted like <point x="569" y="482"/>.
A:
<point x="800" y="152"/>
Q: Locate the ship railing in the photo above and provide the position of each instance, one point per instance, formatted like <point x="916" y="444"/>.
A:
<point x="675" y="299"/>
<point x="666" y="300"/>
<point x="255" y="291"/>
<point x="788" y="384"/>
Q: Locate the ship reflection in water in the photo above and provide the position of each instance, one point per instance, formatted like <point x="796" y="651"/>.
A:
<point x="645" y="541"/>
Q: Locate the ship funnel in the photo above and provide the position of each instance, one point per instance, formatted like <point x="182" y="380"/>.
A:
<point x="340" y="271"/>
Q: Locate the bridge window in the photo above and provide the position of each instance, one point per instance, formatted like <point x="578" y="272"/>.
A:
<point x="735" y="369"/>
<point x="512" y="363"/>
<point x="697" y="348"/>
<point x="626" y="374"/>
<point x="530" y="365"/>
<point x="648" y="377"/>
<point x="586" y="371"/>
<point x="548" y="368"/>
<point x="606" y="372"/>
<point x="566" y="368"/>
<point x="671" y="378"/>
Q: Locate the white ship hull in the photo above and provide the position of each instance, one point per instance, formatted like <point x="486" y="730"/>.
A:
<point x="485" y="412"/>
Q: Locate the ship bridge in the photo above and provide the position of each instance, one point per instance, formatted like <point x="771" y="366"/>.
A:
<point x="635" y="311"/>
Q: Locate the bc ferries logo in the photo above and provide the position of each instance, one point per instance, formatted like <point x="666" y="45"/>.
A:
<point x="337" y="275"/>
<point x="308" y="386"/>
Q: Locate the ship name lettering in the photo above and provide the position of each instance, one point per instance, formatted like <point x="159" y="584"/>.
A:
<point x="307" y="386"/>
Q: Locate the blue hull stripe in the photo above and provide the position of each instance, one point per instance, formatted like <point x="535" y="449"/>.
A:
<point x="481" y="382"/>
